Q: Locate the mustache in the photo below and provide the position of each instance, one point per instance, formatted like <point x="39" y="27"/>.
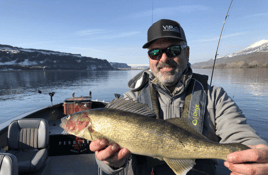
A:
<point x="170" y="63"/>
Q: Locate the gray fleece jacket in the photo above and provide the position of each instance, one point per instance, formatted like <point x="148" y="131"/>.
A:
<point x="224" y="122"/>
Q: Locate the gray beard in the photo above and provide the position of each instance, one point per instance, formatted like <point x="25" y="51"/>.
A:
<point x="174" y="77"/>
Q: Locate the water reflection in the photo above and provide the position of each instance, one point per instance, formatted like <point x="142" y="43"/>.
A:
<point x="19" y="89"/>
<point x="16" y="82"/>
<point x="254" y="81"/>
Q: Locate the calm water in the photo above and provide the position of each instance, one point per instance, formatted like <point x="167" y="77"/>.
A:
<point x="249" y="89"/>
<point x="19" y="90"/>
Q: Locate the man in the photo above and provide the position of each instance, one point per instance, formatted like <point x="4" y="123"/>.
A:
<point x="170" y="88"/>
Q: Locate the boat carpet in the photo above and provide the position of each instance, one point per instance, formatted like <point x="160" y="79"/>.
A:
<point x="84" y="164"/>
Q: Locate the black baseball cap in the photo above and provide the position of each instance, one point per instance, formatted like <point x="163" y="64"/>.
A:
<point x="164" y="28"/>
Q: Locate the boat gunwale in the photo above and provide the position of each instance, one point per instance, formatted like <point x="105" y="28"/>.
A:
<point x="4" y="125"/>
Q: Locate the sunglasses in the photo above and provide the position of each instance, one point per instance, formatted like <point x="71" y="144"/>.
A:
<point x="171" y="51"/>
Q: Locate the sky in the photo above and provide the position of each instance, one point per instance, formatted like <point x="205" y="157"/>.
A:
<point x="116" y="30"/>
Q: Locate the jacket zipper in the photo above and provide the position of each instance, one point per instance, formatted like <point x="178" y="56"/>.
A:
<point x="169" y="108"/>
<point x="169" y="104"/>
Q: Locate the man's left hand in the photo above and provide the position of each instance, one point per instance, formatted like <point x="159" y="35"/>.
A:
<point x="238" y="162"/>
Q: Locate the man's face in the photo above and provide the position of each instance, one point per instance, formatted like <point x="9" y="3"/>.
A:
<point x="169" y="70"/>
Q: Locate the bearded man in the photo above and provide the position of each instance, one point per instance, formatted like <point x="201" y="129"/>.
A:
<point x="171" y="89"/>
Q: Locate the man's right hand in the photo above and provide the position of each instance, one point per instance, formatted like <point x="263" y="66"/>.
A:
<point x="110" y="154"/>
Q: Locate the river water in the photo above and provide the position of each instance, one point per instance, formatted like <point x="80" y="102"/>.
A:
<point x="19" y="91"/>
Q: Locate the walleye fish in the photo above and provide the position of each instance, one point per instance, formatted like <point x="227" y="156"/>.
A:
<point x="130" y="125"/>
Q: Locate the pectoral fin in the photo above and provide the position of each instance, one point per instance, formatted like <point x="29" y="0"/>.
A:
<point x="180" y="166"/>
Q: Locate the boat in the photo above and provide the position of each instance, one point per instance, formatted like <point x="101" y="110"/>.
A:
<point x="67" y="154"/>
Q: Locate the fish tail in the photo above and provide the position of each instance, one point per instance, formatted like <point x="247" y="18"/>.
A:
<point x="238" y="147"/>
<point x="228" y="148"/>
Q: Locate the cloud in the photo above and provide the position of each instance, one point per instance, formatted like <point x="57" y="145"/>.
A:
<point x="169" y="10"/>
<point x="90" y="32"/>
<point x="104" y="34"/>
<point x="217" y="38"/>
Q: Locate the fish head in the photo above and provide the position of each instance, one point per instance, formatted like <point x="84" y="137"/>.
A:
<point x="76" y="123"/>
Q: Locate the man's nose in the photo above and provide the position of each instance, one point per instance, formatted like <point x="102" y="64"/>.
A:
<point x="164" y="58"/>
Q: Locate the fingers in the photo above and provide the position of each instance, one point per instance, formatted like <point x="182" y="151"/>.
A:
<point x="236" y="174"/>
<point x="120" y="155"/>
<point x="258" y="154"/>
<point x="251" y="161"/>
<point x="118" y="158"/>
<point x="123" y="153"/>
<point x="257" y="146"/>
<point x="112" y="153"/>
<point x="249" y="169"/>
<point x="97" y="145"/>
<point x="107" y="152"/>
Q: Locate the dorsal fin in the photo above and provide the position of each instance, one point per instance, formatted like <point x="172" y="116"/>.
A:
<point x="130" y="106"/>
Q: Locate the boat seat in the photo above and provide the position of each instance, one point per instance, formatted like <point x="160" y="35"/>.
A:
<point x="27" y="139"/>
<point x="8" y="164"/>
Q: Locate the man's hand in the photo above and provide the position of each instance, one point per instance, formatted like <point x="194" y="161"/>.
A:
<point x="110" y="154"/>
<point x="238" y="162"/>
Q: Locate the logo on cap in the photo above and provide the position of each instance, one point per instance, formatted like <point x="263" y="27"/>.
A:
<point x="171" y="28"/>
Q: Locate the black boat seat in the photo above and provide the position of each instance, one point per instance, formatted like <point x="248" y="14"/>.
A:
<point x="27" y="139"/>
<point x="8" y="164"/>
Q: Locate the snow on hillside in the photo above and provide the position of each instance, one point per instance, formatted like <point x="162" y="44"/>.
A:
<point x="255" y="55"/>
<point x="260" y="46"/>
<point x="14" y="50"/>
<point x="259" y="43"/>
<point x="16" y="58"/>
<point x="26" y="62"/>
<point x="8" y="63"/>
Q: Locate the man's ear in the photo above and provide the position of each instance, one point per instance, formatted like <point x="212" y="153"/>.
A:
<point x="188" y="53"/>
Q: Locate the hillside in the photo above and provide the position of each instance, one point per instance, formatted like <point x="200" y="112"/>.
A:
<point x="117" y="65"/>
<point x="256" y="55"/>
<point x="15" y="58"/>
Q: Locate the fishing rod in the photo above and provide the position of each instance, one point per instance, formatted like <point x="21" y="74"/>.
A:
<point x="219" y="43"/>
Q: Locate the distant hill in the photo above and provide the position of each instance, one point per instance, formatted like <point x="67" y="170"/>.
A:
<point x="16" y="58"/>
<point x="125" y="66"/>
<point x="256" y="55"/>
<point x="117" y="65"/>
